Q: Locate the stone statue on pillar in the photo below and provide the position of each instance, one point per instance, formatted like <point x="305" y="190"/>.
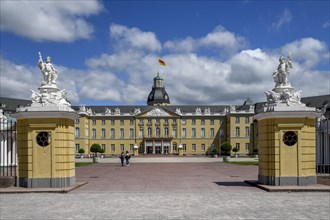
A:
<point x="48" y="70"/>
<point x="49" y="94"/>
<point x="283" y="92"/>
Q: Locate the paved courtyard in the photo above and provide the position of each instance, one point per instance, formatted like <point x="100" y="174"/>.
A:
<point x="184" y="190"/>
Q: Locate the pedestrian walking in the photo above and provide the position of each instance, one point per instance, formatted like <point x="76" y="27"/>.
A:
<point x="122" y="156"/>
<point x="127" y="157"/>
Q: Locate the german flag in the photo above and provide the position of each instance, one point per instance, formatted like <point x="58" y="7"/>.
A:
<point x="161" y="62"/>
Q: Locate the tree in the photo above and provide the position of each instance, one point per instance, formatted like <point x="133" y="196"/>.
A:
<point x="102" y="152"/>
<point x="215" y="151"/>
<point x="235" y="149"/>
<point x="96" y="148"/>
<point x="226" y="147"/>
<point x="81" y="151"/>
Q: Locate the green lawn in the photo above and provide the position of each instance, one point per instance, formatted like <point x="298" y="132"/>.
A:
<point x="245" y="162"/>
<point x="81" y="164"/>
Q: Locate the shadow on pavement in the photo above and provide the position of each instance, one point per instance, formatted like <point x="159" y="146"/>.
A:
<point x="232" y="184"/>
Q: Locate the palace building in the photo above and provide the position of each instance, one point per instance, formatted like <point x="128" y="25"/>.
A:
<point x="161" y="128"/>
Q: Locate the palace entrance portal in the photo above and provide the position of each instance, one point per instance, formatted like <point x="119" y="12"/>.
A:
<point x="156" y="147"/>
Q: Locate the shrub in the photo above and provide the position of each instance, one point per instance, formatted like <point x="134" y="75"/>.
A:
<point x="215" y="151"/>
<point x="235" y="150"/>
<point x="81" y="151"/>
<point x="226" y="147"/>
<point x="96" y="148"/>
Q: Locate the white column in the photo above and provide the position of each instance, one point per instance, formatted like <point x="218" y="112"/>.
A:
<point x="171" y="147"/>
<point x="145" y="147"/>
<point x="162" y="147"/>
<point x="153" y="147"/>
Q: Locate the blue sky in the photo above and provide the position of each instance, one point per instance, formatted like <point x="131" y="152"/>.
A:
<point x="217" y="52"/>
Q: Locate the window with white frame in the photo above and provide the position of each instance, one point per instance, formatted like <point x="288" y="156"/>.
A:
<point x="203" y="133"/>
<point x="113" y="133"/>
<point x="131" y="133"/>
<point x="112" y="122"/>
<point x="149" y="132"/>
<point x="131" y="122"/>
<point x="121" y="147"/>
<point x="203" y="147"/>
<point x="166" y="132"/>
<point x="131" y="147"/>
<point x="183" y="121"/>
<point x="158" y="132"/>
<point x="237" y="119"/>
<point x="193" y="132"/>
<point x="174" y="133"/>
<point x="211" y="132"/>
<point x="237" y="131"/>
<point x="211" y="121"/>
<point x="202" y="121"/>
<point x="247" y="120"/>
<point x="77" y="147"/>
<point x="113" y="148"/>
<point x="93" y="133"/>
<point x="122" y="122"/>
<point x="77" y="133"/>
<point x="247" y="146"/>
<point x="193" y="147"/>
<point x="247" y="131"/>
<point x="103" y="133"/>
<point x="122" y="133"/>
<point x="184" y="133"/>
<point x="184" y="147"/>
<point x="193" y="121"/>
<point x="174" y="147"/>
<point x="93" y="122"/>
<point x="103" y="146"/>
<point x="238" y="146"/>
<point x="103" y="122"/>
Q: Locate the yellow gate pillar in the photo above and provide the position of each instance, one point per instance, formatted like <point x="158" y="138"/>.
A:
<point x="286" y="134"/>
<point x="287" y="148"/>
<point x="46" y="136"/>
<point x="46" y="149"/>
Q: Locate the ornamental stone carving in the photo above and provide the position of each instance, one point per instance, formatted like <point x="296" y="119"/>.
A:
<point x="137" y="111"/>
<point x="207" y="111"/>
<point x="117" y="111"/>
<point x="198" y="111"/>
<point x="157" y="112"/>
<point x="107" y="111"/>
<point x="178" y="111"/>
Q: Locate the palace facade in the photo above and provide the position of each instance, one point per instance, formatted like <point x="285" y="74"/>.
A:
<point x="161" y="128"/>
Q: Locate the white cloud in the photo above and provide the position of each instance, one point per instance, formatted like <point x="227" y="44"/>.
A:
<point x="134" y="38"/>
<point x="61" y="21"/>
<point x="283" y="19"/>
<point x="309" y="51"/>
<point x="125" y="76"/>
<point x="219" y="39"/>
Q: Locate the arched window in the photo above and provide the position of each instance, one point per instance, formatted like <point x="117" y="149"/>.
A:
<point x="149" y="132"/>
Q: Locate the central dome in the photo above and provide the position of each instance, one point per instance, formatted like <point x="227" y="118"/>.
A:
<point x="158" y="95"/>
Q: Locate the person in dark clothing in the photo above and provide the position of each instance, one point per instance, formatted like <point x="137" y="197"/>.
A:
<point x="127" y="157"/>
<point x="122" y="156"/>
